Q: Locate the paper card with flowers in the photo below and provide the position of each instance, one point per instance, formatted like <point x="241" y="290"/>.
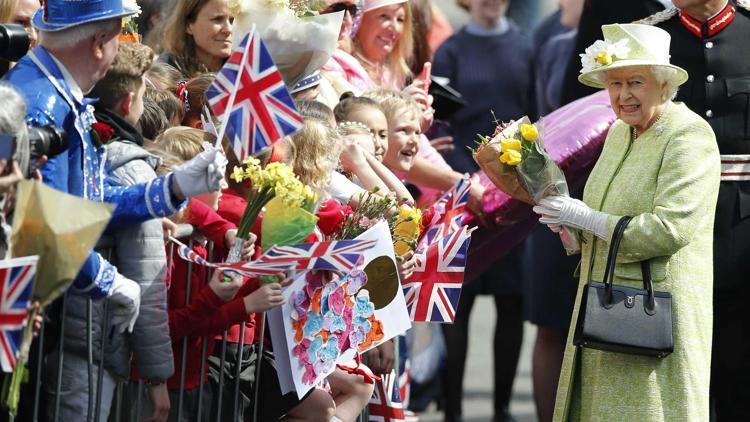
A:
<point x="515" y="160"/>
<point x="327" y="318"/>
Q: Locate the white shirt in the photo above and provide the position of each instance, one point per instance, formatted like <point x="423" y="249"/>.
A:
<point x="341" y="188"/>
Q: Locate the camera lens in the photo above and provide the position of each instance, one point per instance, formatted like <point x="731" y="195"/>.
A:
<point x="47" y="140"/>
<point x="14" y="42"/>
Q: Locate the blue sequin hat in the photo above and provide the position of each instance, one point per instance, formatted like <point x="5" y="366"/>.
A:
<point x="57" y="15"/>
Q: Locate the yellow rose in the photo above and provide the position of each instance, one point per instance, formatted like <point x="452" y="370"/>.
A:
<point x="407" y="228"/>
<point x="604" y="58"/>
<point x="529" y="132"/>
<point x="511" y="158"/>
<point x="401" y="248"/>
<point x="510" y="144"/>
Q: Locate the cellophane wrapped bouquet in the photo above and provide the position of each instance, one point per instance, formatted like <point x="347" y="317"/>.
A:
<point x="296" y="200"/>
<point x="515" y="160"/>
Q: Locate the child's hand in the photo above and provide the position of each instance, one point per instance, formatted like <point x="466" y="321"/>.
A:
<point x="169" y="228"/>
<point x="226" y="290"/>
<point x="248" y="248"/>
<point x="266" y="297"/>
<point x="352" y="155"/>
<point x="474" y="202"/>
<point x="380" y="359"/>
<point x="406" y="265"/>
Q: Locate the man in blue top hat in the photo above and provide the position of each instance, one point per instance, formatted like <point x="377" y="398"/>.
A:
<point x="78" y="42"/>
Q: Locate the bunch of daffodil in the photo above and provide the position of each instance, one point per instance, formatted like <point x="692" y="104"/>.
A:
<point x="274" y="180"/>
<point x="514" y="150"/>
<point x="406" y="229"/>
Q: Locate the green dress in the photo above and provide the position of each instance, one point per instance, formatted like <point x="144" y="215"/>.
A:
<point x="668" y="179"/>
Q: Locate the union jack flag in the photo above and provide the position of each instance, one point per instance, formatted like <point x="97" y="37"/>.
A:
<point x="247" y="269"/>
<point x="449" y="211"/>
<point x="433" y="290"/>
<point x="385" y="403"/>
<point x="188" y="254"/>
<point x="249" y="94"/>
<point x="339" y="255"/>
<point x="15" y="294"/>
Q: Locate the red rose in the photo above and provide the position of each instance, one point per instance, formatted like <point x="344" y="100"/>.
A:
<point x="103" y="131"/>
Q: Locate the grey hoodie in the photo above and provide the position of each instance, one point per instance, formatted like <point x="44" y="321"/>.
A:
<point x="139" y="255"/>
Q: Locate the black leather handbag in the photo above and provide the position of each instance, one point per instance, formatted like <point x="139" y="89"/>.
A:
<point x="625" y="319"/>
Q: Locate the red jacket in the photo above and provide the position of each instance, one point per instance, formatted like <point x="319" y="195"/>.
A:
<point x="232" y="206"/>
<point x="206" y="314"/>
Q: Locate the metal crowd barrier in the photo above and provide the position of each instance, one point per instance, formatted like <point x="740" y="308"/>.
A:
<point x="95" y="377"/>
<point x="95" y="363"/>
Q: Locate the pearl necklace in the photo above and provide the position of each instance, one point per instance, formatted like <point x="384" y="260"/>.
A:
<point x="635" y="132"/>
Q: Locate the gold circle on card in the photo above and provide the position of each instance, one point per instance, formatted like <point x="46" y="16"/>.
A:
<point x="382" y="281"/>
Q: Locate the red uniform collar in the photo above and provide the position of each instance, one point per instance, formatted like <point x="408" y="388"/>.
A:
<point x="712" y="26"/>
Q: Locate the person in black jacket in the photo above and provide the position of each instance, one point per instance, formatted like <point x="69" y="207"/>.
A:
<point x="709" y="40"/>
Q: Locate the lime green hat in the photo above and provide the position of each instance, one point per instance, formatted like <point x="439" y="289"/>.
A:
<point x="627" y="45"/>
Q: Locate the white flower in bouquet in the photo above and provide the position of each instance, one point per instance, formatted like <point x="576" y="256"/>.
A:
<point x="298" y="45"/>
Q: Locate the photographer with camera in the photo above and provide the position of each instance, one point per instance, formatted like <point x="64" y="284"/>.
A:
<point x="78" y="42"/>
<point x="24" y="11"/>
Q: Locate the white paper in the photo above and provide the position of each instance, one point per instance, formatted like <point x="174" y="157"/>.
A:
<point x="394" y="318"/>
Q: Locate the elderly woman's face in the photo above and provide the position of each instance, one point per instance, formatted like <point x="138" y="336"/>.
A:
<point x="636" y="96"/>
<point x="380" y="31"/>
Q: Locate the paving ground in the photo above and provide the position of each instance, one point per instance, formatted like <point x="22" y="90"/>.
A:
<point x="477" y="386"/>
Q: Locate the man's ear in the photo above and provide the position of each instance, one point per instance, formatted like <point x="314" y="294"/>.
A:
<point x="97" y="44"/>
<point x="125" y="104"/>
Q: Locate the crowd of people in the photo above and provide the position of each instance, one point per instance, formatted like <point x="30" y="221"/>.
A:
<point x="130" y="92"/>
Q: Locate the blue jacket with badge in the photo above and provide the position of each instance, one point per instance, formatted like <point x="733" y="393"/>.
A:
<point x="81" y="169"/>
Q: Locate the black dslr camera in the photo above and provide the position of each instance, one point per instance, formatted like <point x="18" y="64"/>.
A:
<point x="44" y="140"/>
<point x="14" y="43"/>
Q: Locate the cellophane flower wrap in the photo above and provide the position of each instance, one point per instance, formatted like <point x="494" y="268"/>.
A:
<point x="276" y="180"/>
<point x="285" y="225"/>
<point x="515" y="160"/>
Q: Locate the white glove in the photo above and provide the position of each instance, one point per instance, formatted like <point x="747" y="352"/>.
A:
<point x="125" y="295"/>
<point x="202" y="174"/>
<point x="567" y="211"/>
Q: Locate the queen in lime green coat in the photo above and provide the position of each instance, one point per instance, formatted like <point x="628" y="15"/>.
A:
<point x="660" y="164"/>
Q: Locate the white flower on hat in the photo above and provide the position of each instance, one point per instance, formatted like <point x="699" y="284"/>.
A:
<point x="131" y="4"/>
<point x="603" y="53"/>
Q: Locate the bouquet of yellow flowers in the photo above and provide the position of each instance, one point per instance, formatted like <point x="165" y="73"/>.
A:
<point x="276" y="180"/>
<point x="515" y="160"/>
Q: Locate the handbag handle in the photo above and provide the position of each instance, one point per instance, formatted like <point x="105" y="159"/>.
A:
<point x="609" y="271"/>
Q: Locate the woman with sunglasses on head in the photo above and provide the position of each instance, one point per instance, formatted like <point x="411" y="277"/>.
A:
<point x="198" y="36"/>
